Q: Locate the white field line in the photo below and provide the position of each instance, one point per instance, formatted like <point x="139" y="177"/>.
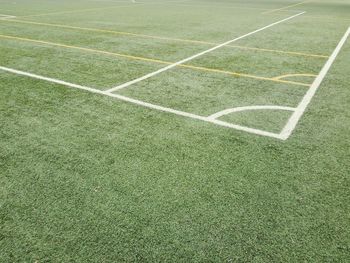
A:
<point x="249" y="108"/>
<point x="145" y="104"/>
<point x="114" y="1"/>
<point x="230" y="6"/>
<point x="60" y="82"/>
<point x="127" y="84"/>
<point x="285" y="7"/>
<point x="294" y="119"/>
<point x="94" y="9"/>
<point x="165" y="2"/>
<point x="3" y="16"/>
<point x="84" y="10"/>
<point x="141" y="2"/>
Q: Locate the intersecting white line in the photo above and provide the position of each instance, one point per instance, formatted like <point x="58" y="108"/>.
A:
<point x="144" y="104"/>
<point x="298" y="113"/>
<point x="286" y="132"/>
<point x="127" y="84"/>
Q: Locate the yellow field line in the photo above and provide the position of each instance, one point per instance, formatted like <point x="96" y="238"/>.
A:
<point x="87" y="49"/>
<point x="244" y="75"/>
<point x="295" y="75"/>
<point x="286" y="7"/>
<point x="164" y="38"/>
<point x="281" y="51"/>
<point x="107" y="31"/>
<point x="154" y="60"/>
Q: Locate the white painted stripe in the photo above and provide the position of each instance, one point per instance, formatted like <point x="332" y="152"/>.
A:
<point x="286" y="7"/>
<point x="222" y="5"/>
<point x="144" y="104"/>
<point x="246" y="129"/>
<point x="249" y="108"/>
<point x="114" y="1"/>
<point x="127" y="84"/>
<point x="294" y="119"/>
<point x="60" y="82"/>
<point x="3" y="16"/>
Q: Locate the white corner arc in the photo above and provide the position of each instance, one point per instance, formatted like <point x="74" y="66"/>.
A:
<point x="248" y="108"/>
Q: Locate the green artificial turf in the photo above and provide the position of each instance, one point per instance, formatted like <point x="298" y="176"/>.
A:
<point x="89" y="178"/>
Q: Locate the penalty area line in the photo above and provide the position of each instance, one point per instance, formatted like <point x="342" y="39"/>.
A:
<point x="145" y="104"/>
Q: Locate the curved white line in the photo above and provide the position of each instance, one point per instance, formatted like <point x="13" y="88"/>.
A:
<point x="144" y="104"/>
<point x="298" y="113"/>
<point x="248" y="108"/>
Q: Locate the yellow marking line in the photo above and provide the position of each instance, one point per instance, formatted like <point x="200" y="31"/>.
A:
<point x="286" y="7"/>
<point x="155" y="60"/>
<point x="165" y="38"/>
<point x="86" y="49"/>
<point x="281" y="51"/>
<point x="295" y="75"/>
<point x="244" y="75"/>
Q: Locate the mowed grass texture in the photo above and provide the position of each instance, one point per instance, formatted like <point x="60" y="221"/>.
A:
<point x="89" y="178"/>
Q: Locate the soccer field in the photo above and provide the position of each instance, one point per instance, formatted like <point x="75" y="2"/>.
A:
<point x="174" y="131"/>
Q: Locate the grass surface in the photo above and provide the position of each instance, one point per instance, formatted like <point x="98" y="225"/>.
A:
<point x="88" y="178"/>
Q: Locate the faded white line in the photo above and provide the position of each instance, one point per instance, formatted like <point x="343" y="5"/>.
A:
<point x="294" y="119"/>
<point x="286" y="7"/>
<point x="83" y="10"/>
<point x="144" y="104"/>
<point x="3" y="16"/>
<point x="223" y="6"/>
<point x="127" y="84"/>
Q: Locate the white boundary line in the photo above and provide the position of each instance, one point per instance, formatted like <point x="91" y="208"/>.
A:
<point x="144" y="104"/>
<point x="60" y="82"/>
<point x="287" y="130"/>
<point x="294" y="119"/>
<point x="127" y="84"/>
<point x="284" y="135"/>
